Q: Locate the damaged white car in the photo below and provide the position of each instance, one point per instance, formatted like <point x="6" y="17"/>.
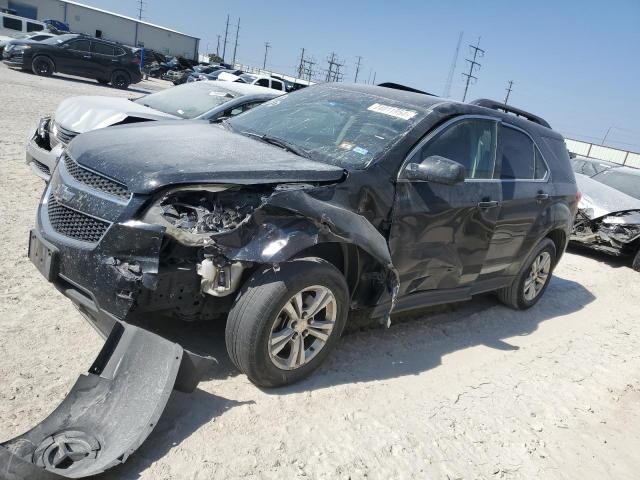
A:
<point x="208" y="100"/>
<point x="608" y="219"/>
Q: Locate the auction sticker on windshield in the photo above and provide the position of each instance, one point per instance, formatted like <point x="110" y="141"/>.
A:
<point x="393" y="111"/>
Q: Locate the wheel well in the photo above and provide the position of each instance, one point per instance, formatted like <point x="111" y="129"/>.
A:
<point x="344" y="257"/>
<point x="120" y="70"/>
<point x="559" y="238"/>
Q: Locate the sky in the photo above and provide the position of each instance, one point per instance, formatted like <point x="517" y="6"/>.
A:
<point x="573" y="62"/>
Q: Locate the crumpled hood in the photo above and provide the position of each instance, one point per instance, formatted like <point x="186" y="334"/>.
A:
<point x="149" y="156"/>
<point x="599" y="199"/>
<point x="86" y="113"/>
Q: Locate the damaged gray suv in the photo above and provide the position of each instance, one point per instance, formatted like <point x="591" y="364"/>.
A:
<point x="286" y="218"/>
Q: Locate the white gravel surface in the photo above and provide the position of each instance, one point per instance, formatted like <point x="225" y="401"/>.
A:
<point x="474" y="391"/>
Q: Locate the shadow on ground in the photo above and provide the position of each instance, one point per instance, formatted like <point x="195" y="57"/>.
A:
<point x="413" y="344"/>
<point x="602" y="257"/>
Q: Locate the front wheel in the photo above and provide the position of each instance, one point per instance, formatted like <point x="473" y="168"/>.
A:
<point x="531" y="283"/>
<point x="285" y="323"/>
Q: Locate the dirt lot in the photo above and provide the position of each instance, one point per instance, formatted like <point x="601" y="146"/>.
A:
<point x="474" y="391"/>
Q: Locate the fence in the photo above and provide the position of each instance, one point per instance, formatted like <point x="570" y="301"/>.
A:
<point x="591" y="150"/>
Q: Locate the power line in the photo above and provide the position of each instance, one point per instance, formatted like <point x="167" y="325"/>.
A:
<point x="267" y="46"/>
<point x="477" y="53"/>
<point x="506" y="99"/>
<point x="235" y="47"/>
<point x="452" y="69"/>
<point x="357" y="68"/>
<point x="224" y="44"/>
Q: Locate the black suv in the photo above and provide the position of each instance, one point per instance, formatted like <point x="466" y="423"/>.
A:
<point x="286" y="218"/>
<point x="107" y="62"/>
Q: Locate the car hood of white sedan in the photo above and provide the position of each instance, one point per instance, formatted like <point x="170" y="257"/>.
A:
<point x="87" y="113"/>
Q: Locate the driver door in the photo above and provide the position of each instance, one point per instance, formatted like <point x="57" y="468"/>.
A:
<point x="440" y="233"/>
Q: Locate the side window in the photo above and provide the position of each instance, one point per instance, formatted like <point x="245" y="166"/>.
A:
<point x="276" y="84"/>
<point x="102" y="48"/>
<point x="471" y="143"/>
<point x="119" y="51"/>
<point x="34" y="27"/>
<point x="80" y="45"/>
<point x="518" y="160"/>
<point x="541" y="169"/>
<point x="263" y="82"/>
<point x="12" y="23"/>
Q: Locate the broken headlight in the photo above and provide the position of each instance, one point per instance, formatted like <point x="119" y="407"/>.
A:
<point x="43" y="127"/>
<point x="191" y="215"/>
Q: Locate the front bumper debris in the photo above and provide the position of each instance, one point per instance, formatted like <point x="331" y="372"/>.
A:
<point x="109" y="412"/>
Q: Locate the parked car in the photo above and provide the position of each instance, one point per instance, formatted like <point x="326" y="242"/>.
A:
<point x="252" y="79"/>
<point x="197" y="77"/>
<point x="13" y="25"/>
<point x="591" y="166"/>
<point x="203" y="101"/>
<point x="608" y="218"/>
<point x="107" y="62"/>
<point x="283" y="219"/>
<point x="24" y="38"/>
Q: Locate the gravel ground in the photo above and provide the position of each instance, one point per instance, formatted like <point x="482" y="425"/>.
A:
<point x="473" y="391"/>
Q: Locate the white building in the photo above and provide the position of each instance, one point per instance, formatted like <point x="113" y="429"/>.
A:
<point x="108" y="25"/>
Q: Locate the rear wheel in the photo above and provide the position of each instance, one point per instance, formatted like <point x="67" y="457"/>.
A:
<point x="42" y="66"/>
<point x="285" y="323"/>
<point x="120" y="80"/>
<point x="531" y="283"/>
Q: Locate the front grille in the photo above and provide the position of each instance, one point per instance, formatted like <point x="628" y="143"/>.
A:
<point x="95" y="181"/>
<point x="64" y="135"/>
<point x="70" y="223"/>
<point x="42" y="167"/>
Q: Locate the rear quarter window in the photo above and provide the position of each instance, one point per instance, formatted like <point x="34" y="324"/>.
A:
<point x="517" y="155"/>
<point x="102" y="49"/>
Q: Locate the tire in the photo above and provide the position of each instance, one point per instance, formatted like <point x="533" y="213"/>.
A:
<point x="120" y="80"/>
<point x="42" y="66"/>
<point x="264" y="312"/>
<point x="636" y="261"/>
<point x="102" y="81"/>
<point x="518" y="295"/>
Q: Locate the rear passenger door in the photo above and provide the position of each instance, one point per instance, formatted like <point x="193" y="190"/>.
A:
<point x="440" y="233"/>
<point x="103" y="59"/>
<point x="526" y="192"/>
<point x="75" y="58"/>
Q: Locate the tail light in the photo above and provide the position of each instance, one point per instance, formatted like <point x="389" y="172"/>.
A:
<point x="136" y="60"/>
<point x="578" y="196"/>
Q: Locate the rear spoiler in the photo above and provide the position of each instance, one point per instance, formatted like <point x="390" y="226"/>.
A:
<point x="495" y="105"/>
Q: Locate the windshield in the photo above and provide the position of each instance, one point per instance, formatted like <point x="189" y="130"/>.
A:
<point x="624" y="182"/>
<point x="189" y="100"/>
<point x="245" y="77"/>
<point x="330" y="125"/>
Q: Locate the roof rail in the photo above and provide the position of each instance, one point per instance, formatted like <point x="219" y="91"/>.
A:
<point x="397" y="86"/>
<point x="495" y="105"/>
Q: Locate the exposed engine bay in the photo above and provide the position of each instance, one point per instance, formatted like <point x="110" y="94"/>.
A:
<point x="617" y="233"/>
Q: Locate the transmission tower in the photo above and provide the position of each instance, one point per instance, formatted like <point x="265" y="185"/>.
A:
<point x="477" y="53"/>
<point x="452" y="69"/>
<point x="506" y="99"/>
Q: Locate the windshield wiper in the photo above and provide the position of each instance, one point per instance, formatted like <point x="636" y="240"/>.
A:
<point x="279" y="142"/>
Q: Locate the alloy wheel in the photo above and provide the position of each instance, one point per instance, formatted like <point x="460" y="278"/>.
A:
<point x="302" y="328"/>
<point x="538" y="276"/>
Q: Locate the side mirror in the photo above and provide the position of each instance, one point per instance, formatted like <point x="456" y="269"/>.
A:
<point x="436" y="169"/>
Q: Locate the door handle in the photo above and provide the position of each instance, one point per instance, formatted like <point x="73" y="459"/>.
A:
<point x="541" y="197"/>
<point x="491" y="204"/>
<point x="87" y="57"/>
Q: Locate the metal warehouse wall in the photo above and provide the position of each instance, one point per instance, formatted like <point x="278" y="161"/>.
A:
<point x="86" y="20"/>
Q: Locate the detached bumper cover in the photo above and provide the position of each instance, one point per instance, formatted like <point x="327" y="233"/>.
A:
<point x="109" y="412"/>
<point x="41" y="160"/>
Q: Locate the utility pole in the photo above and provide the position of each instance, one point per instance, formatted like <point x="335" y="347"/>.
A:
<point x="267" y="46"/>
<point x="452" y="69"/>
<point x="224" y="45"/>
<point x="301" y="66"/>
<point x="333" y="72"/>
<point x="235" y="47"/>
<point x="374" y="77"/>
<point x="218" y="47"/>
<point x="357" y="69"/>
<point x="141" y="5"/>
<point x="477" y="53"/>
<point x="506" y="99"/>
